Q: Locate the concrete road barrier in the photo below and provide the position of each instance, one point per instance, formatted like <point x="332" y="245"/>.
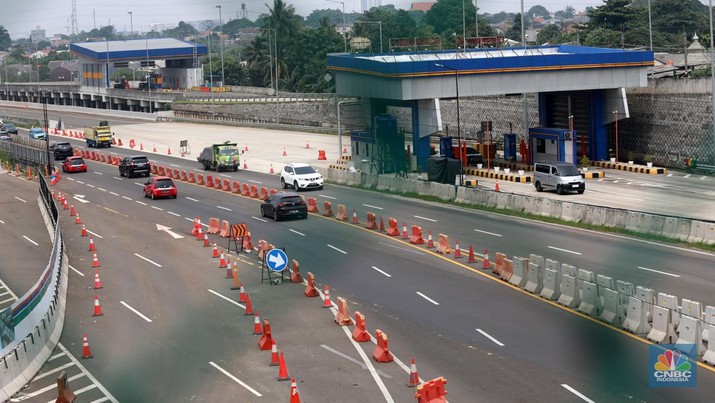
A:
<point x="637" y="317"/>
<point x="708" y="319"/>
<point x="709" y="355"/>
<point x="569" y="269"/>
<point x="625" y="290"/>
<point x="569" y="292"/>
<point x="590" y="301"/>
<point x="670" y="302"/>
<point x="662" y="330"/>
<point x="691" y="308"/>
<point x="537" y="260"/>
<point x="690" y="332"/>
<point x="534" y="282"/>
<point x="518" y="277"/>
<point x="647" y="295"/>
<point x="612" y="312"/>
<point x="552" y="285"/>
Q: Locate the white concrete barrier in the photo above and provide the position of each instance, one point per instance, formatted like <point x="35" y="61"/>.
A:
<point x="636" y="316"/>
<point x="612" y="311"/>
<point x="590" y="301"/>
<point x="690" y="332"/>
<point x="604" y="282"/>
<point x="670" y="302"/>
<point x="647" y="295"/>
<point x="586" y="275"/>
<point x="662" y="330"/>
<point x="569" y="269"/>
<point x="697" y="231"/>
<point x="709" y="356"/>
<point x="708" y="319"/>
<point x="569" y="292"/>
<point x="518" y="277"/>
<point x="536" y="259"/>
<point x="552" y="285"/>
<point x="709" y="235"/>
<point x="533" y="278"/>
<point x="625" y="290"/>
<point x="691" y="308"/>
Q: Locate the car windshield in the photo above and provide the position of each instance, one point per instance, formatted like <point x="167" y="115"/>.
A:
<point x="291" y="199"/>
<point x="568" y="170"/>
<point x="304" y="170"/>
<point x="140" y="160"/>
<point x="78" y="161"/>
<point x="164" y="183"/>
<point x="227" y="151"/>
<point x="63" y="145"/>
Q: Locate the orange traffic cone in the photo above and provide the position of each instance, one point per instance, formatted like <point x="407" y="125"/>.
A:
<point x="97" y="281"/>
<point x="414" y="378"/>
<point x="206" y="241"/>
<point x="326" y="300"/>
<point x="345" y="150"/>
<point x="95" y="261"/>
<point x="271" y="172"/>
<point x="382" y="225"/>
<point x="245" y="148"/>
<point x="430" y="242"/>
<point x="86" y="353"/>
<point x="229" y="270"/>
<point x="294" y="395"/>
<point x="404" y="231"/>
<point x="307" y="144"/>
<point x="284" y="152"/>
<point x="245" y="165"/>
<point x="471" y="258"/>
<point x="97" y="308"/>
<point x="91" y="244"/>
<point x="141" y="147"/>
<point x="84" y="230"/>
<point x="76" y="219"/>
<point x="257" y="329"/>
<point x="200" y="234"/>
<point x="222" y="263"/>
<point x="168" y="151"/>
<point x="215" y="255"/>
<point x="457" y="250"/>
<point x="241" y="293"/>
<point x="274" y="354"/>
<point x="486" y="260"/>
<point x="282" y="369"/>
<point x="249" y="306"/>
<point x="355" y="219"/>
<point x="72" y="212"/>
<point x="154" y="150"/>
<point x="496" y="188"/>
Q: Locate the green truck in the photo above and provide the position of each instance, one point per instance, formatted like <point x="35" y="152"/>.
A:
<point x="220" y="157"/>
<point x="98" y="136"/>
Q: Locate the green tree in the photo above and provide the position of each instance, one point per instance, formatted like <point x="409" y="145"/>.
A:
<point x="550" y="34"/>
<point x="676" y="16"/>
<point x="306" y="59"/>
<point x="612" y="15"/>
<point x="183" y="30"/>
<point x="515" y="31"/>
<point x="232" y="27"/>
<point x="565" y="14"/>
<point x="446" y="17"/>
<point x="5" y="40"/>
<point x="287" y="25"/>
<point x="538" y="11"/>
<point x="335" y="16"/>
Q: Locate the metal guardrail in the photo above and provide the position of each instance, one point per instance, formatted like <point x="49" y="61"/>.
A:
<point x="32" y="153"/>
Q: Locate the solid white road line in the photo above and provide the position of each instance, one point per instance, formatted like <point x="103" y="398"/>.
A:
<point x="36" y="244"/>
<point x="226" y="298"/>
<point x="97" y="235"/>
<point x="128" y="198"/>
<point x="371" y="206"/>
<point x="351" y="359"/>
<point x="381" y="271"/>
<point x="112" y="193"/>
<point x="498" y="343"/>
<point x="75" y="270"/>
<point x="141" y="202"/>
<point x="174" y="214"/>
<point x="427" y="298"/>
<point x="425" y="218"/>
<point x="90" y="185"/>
<point x="135" y="311"/>
<point x="192" y="199"/>
<point x="97" y="173"/>
<point x="224" y="208"/>
<point x="487" y="232"/>
<point x="296" y="232"/>
<point x="564" y="250"/>
<point x="2" y="222"/>
<point x="238" y="381"/>
<point x="327" y="197"/>
<point x="103" y="190"/>
<point x="339" y="250"/>
<point x="657" y="271"/>
<point x="258" y="219"/>
<point x="577" y="393"/>
<point x="157" y="208"/>
<point x="142" y="257"/>
<point x="22" y="200"/>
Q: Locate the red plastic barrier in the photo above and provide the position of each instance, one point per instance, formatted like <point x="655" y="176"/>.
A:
<point x="236" y="187"/>
<point x="312" y="205"/>
<point x="244" y="190"/>
<point x="192" y="177"/>
<point x="254" y="192"/>
<point x="217" y="182"/>
<point x="416" y="237"/>
<point x="200" y="180"/>
<point x="392" y="229"/>
<point x="264" y="193"/>
<point x="226" y="185"/>
<point x="209" y="181"/>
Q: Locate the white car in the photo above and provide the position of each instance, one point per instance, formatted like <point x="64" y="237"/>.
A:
<point x="301" y="176"/>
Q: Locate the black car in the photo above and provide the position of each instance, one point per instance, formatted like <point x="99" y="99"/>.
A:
<point x="474" y="157"/>
<point x="9" y="128"/>
<point x="61" y="150"/>
<point x="134" y="165"/>
<point x="284" y="204"/>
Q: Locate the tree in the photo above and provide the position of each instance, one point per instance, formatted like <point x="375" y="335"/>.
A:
<point x="306" y="59"/>
<point x="333" y="15"/>
<point x="515" y="31"/>
<point x="287" y="24"/>
<point x="550" y="34"/>
<point x="183" y="30"/>
<point x="538" y="11"/>
<point x="5" y="40"/>
<point x="446" y="17"/>
<point x="565" y="14"/>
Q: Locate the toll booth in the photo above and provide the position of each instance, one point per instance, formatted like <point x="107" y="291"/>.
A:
<point x="510" y="147"/>
<point x="552" y="144"/>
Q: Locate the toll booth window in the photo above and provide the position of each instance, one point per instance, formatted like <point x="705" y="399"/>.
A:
<point x="540" y="146"/>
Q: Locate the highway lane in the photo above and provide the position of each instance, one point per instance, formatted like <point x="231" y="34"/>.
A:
<point x="326" y="265"/>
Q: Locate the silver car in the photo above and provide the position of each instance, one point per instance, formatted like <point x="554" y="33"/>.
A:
<point x="560" y="176"/>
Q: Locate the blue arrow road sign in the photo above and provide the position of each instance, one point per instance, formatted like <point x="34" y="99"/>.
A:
<point x="276" y="260"/>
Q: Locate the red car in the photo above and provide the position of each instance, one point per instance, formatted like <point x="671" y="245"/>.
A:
<point x="160" y="186"/>
<point x="74" y="164"/>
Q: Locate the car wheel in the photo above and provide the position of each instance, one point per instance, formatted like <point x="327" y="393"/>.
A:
<point x="320" y="188"/>
<point x="235" y="168"/>
<point x="295" y="186"/>
<point x="152" y="196"/>
<point x="580" y="191"/>
<point x="283" y="183"/>
<point x="275" y="215"/>
<point x="559" y="190"/>
<point x="176" y="195"/>
<point x="145" y="195"/>
<point x="305" y="216"/>
<point x="538" y="187"/>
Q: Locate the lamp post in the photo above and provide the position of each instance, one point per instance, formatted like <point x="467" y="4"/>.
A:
<point x="616" y="113"/>
<point x="712" y="67"/>
<point x="220" y="42"/>
<point x="459" y="129"/>
<point x="345" y="39"/>
<point x="131" y="23"/>
<point x="47" y="133"/>
<point x="108" y="78"/>
<point x="373" y="22"/>
<point x="148" y="78"/>
<point x="476" y="20"/>
<point x="650" y="28"/>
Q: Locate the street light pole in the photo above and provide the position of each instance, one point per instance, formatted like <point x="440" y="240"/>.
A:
<point x="131" y="23"/>
<point x="459" y="128"/>
<point x="650" y="28"/>
<point x="712" y="67"/>
<point x="616" y="113"/>
<point x="345" y="38"/>
<point x="109" y="95"/>
<point x="373" y="22"/>
<point x="220" y="42"/>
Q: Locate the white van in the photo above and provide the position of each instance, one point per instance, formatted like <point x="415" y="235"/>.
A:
<point x="561" y="176"/>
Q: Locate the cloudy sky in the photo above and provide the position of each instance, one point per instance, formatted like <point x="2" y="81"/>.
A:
<point x="19" y="17"/>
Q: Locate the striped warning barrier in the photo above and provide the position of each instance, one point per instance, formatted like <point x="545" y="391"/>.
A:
<point x="236" y="187"/>
<point x="244" y="190"/>
<point x="443" y="245"/>
<point x="226" y="185"/>
<point x="200" y="180"/>
<point x="264" y="193"/>
<point x="342" y="213"/>
<point x="214" y="225"/>
<point x="176" y="173"/>
<point x="327" y="209"/>
<point x="254" y="192"/>
<point x="225" y="229"/>
<point x="217" y="183"/>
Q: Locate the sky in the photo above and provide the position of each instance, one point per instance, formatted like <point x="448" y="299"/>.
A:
<point x="54" y="16"/>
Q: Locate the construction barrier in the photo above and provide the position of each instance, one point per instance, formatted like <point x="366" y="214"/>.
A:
<point x="636" y="316"/>
<point x="327" y="209"/>
<point x="200" y="180"/>
<point x="154" y="170"/>
<point x="443" y="245"/>
<point x="169" y="173"/>
<point x="176" y="173"/>
<point x="244" y="190"/>
<point x="518" y="277"/>
<point x="183" y="176"/>
<point x="266" y="340"/>
<point x="247" y="244"/>
<point x="569" y="291"/>
<point x="295" y="276"/>
<point x="264" y="193"/>
<point x="590" y="301"/>
<point x="382" y="353"/>
<point x="217" y="183"/>
<point x="342" y="214"/>
<point x="690" y="331"/>
<point x="662" y="330"/>
<point x="226" y="185"/>
<point x="236" y="187"/>
<point x="225" y="229"/>
<point x="392" y="229"/>
<point x="551" y="285"/>
<point x="321" y="155"/>
<point x="371" y="221"/>
<point x="209" y="181"/>
<point x="310" y="290"/>
<point x="709" y="355"/>
<point x="416" y="237"/>
<point x="214" y="225"/>
<point x="359" y="333"/>
<point x="342" y="317"/>
<point x="508" y="269"/>
<point x="533" y="278"/>
<point x="254" y="192"/>
<point x="312" y="205"/>
<point x="432" y="391"/>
